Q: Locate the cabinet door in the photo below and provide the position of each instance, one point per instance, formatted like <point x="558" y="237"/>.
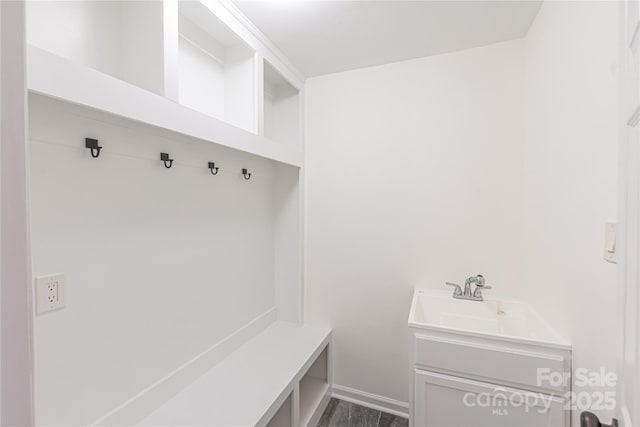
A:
<point x="447" y="401"/>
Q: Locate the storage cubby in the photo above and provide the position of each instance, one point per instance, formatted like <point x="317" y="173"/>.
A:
<point x="281" y="108"/>
<point x="121" y="38"/>
<point x="216" y="69"/>
<point x="284" y="416"/>
<point x="313" y="387"/>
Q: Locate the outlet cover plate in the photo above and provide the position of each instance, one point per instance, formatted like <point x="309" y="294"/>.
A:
<point x="49" y="293"/>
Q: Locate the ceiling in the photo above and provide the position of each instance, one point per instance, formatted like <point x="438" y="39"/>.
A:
<point x="321" y="37"/>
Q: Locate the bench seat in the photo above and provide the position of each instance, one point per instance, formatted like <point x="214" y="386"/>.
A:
<point x="249" y="386"/>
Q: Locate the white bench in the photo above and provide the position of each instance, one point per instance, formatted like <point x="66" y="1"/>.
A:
<point x="281" y="377"/>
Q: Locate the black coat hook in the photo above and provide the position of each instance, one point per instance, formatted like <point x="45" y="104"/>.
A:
<point x="92" y="144"/>
<point x="165" y="158"/>
<point x="246" y="174"/>
<point x="213" y="168"/>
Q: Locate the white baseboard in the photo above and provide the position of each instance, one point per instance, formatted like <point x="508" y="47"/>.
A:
<point x="139" y="406"/>
<point x="372" y="401"/>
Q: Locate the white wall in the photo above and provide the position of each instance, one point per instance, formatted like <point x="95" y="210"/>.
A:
<point x="571" y="175"/>
<point x="499" y="160"/>
<point x="413" y="179"/>
<point x="160" y="264"/>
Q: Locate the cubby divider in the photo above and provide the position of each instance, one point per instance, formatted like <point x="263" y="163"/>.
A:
<point x="308" y="400"/>
<point x="314" y="386"/>
<point x="284" y="416"/>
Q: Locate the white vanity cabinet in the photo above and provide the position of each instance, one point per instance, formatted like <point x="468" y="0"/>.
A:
<point x="469" y="380"/>
<point x="449" y="401"/>
<point x="486" y="363"/>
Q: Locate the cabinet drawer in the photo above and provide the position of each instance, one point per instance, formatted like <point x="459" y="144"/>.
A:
<point x="448" y="401"/>
<point x="497" y="364"/>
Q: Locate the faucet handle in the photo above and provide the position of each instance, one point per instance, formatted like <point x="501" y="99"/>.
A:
<point x="457" y="289"/>
<point x="477" y="293"/>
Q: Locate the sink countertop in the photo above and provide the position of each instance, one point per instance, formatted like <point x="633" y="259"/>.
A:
<point x="501" y="318"/>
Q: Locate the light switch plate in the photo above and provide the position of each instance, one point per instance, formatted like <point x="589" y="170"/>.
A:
<point x="49" y="293"/>
<point x="610" y="250"/>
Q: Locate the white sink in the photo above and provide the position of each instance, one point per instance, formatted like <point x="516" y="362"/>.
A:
<point x="498" y="318"/>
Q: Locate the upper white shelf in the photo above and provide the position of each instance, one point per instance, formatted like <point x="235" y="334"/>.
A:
<point x="124" y="39"/>
<point x="60" y="78"/>
<point x="196" y="67"/>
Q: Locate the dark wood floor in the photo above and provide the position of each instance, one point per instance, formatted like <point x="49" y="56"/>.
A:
<point x="344" y="414"/>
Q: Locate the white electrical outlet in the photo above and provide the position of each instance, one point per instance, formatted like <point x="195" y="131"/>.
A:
<point x="49" y="293"/>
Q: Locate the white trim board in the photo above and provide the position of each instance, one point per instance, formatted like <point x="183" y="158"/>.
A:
<point x="149" y="399"/>
<point x="371" y="400"/>
<point x="16" y="333"/>
<point x="628" y="359"/>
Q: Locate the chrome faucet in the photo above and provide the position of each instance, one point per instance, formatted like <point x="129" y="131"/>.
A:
<point x="476" y="295"/>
